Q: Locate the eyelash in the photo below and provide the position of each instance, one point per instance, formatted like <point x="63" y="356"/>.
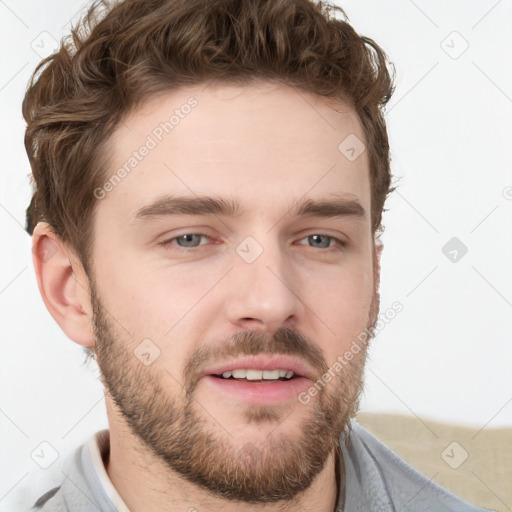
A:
<point x="340" y="243"/>
<point x="166" y="243"/>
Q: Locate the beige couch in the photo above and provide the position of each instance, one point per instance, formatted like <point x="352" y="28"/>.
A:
<point x="475" y="464"/>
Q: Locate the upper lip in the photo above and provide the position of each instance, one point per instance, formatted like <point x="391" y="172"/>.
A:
<point x="262" y="362"/>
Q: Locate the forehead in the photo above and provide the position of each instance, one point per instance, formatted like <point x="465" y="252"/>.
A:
<point x="264" y="143"/>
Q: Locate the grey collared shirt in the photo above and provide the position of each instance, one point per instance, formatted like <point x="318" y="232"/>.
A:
<point x="376" y="479"/>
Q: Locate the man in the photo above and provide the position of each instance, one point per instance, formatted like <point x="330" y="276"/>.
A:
<point x="210" y="179"/>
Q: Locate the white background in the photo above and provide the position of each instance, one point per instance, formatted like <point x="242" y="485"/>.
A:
<point x="446" y="356"/>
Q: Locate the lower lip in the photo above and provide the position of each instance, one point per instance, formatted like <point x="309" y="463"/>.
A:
<point x="260" y="392"/>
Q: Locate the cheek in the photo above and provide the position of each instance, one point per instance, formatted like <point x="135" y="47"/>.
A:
<point x="345" y="286"/>
<point x="339" y="298"/>
<point x="156" y="311"/>
<point x="147" y="299"/>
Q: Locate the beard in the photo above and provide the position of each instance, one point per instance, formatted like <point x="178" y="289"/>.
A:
<point x="181" y="434"/>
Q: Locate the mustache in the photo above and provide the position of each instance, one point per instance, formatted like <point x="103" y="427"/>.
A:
<point x="283" y="341"/>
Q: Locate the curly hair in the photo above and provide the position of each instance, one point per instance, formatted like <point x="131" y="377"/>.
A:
<point x="123" y="52"/>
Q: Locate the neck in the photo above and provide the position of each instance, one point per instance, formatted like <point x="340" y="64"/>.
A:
<point x="146" y="484"/>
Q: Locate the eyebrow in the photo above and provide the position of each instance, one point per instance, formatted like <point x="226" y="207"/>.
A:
<point x="168" y="205"/>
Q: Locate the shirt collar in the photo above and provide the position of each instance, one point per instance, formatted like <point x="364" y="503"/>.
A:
<point x="98" y="447"/>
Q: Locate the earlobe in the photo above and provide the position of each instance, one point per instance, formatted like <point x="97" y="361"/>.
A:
<point x="63" y="284"/>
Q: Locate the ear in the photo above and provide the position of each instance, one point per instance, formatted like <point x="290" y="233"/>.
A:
<point x="375" y="306"/>
<point x="63" y="284"/>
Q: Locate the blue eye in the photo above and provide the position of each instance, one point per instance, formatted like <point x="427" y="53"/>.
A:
<point x="193" y="240"/>
<point x="187" y="241"/>
<point x="323" y="241"/>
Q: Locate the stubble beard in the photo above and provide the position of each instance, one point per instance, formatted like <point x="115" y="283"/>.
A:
<point x="179" y="432"/>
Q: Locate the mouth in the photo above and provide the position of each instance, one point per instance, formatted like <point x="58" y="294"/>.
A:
<point x="262" y="380"/>
<point x="257" y="375"/>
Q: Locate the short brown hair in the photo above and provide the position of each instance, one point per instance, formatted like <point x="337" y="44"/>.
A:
<point x="123" y="53"/>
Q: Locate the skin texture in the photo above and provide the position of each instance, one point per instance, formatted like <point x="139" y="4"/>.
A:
<point x="176" y="441"/>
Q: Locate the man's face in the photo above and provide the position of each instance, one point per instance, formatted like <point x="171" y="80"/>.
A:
<point x="273" y="286"/>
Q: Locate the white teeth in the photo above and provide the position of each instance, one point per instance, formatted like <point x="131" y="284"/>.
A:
<point x="251" y="374"/>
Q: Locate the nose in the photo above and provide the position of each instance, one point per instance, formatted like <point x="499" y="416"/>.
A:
<point x="264" y="293"/>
